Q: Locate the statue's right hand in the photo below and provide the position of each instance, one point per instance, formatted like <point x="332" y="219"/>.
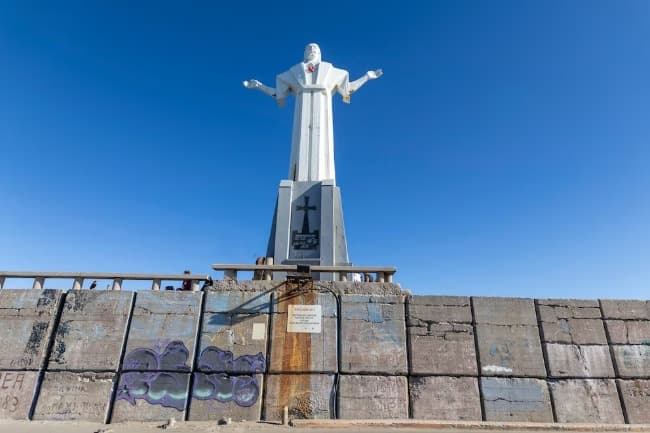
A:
<point x="252" y="84"/>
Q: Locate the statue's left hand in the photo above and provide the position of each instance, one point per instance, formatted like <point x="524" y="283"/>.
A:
<point x="374" y="74"/>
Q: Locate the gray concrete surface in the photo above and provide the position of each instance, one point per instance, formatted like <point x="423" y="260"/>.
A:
<point x="441" y="336"/>
<point x="26" y="325"/>
<point x="91" y="332"/>
<point x="206" y="405"/>
<point x="516" y="399"/>
<point x="510" y="350"/>
<point x="66" y="396"/>
<point x="161" y="318"/>
<point x="373" y="397"/>
<point x="373" y="335"/>
<point x="445" y="398"/>
<point x="586" y="400"/>
<point x="571" y="360"/>
<point x="308" y="396"/>
<point x="300" y="352"/>
<point x="17" y="392"/>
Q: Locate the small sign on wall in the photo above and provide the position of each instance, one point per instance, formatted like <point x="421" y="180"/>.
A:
<point x="304" y="318"/>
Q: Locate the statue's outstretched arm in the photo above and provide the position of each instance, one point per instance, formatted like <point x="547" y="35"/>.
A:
<point x="254" y="84"/>
<point x="370" y="75"/>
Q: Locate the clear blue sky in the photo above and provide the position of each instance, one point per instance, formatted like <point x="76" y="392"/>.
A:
<point x="505" y="151"/>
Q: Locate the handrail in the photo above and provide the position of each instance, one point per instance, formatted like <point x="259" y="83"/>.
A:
<point x="383" y="273"/>
<point x="79" y="277"/>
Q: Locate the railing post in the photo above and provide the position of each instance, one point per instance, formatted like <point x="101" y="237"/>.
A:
<point x="155" y="285"/>
<point x="268" y="275"/>
<point x="78" y="283"/>
<point x="380" y="277"/>
<point x="195" y="286"/>
<point x="117" y="284"/>
<point x="2" y="282"/>
<point x="343" y="276"/>
<point x="38" y="283"/>
<point x="389" y="277"/>
<point x="230" y="274"/>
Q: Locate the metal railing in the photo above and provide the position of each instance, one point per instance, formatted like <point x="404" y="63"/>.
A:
<point x="382" y="273"/>
<point x="79" y="277"/>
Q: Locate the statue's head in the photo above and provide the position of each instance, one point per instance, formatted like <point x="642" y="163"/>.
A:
<point x="312" y="53"/>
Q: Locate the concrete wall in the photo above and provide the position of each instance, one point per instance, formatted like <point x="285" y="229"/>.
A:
<point x="119" y="356"/>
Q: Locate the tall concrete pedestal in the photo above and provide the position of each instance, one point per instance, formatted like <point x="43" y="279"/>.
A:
<point x="308" y="227"/>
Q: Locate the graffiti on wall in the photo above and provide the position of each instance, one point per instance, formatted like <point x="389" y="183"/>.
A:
<point x="162" y="388"/>
<point x="242" y="390"/>
<point x="214" y="359"/>
<point x="174" y="357"/>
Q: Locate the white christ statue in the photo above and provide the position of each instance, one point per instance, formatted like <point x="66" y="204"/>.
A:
<point x="312" y="82"/>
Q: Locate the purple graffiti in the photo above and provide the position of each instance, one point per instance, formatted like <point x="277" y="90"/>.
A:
<point x="173" y="358"/>
<point x="243" y="390"/>
<point x="165" y="389"/>
<point x="214" y="359"/>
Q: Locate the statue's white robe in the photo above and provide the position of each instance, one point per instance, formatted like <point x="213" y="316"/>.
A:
<point x="312" y="143"/>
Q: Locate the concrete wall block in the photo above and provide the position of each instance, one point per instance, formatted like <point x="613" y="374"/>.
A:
<point x="281" y="300"/>
<point x="91" y="331"/>
<point x="299" y="352"/>
<point x="442" y="348"/>
<point x="237" y="302"/>
<point x="575" y="331"/>
<point x="628" y="332"/>
<point x="373" y="336"/>
<point x="554" y="309"/>
<point x="26" y="324"/>
<point x="233" y="343"/>
<point x="373" y="397"/>
<point x="626" y="309"/>
<point x="504" y="311"/>
<point x="516" y="399"/>
<point x="422" y="310"/>
<point x="445" y="398"/>
<point x="218" y="396"/>
<point x="17" y="391"/>
<point x="572" y="360"/>
<point x="67" y="396"/>
<point x="151" y="396"/>
<point x="593" y="401"/>
<point x="163" y="331"/>
<point x="633" y="361"/>
<point x="636" y="398"/>
<point x="361" y="288"/>
<point x="303" y="352"/>
<point x="308" y="396"/>
<point x="510" y="351"/>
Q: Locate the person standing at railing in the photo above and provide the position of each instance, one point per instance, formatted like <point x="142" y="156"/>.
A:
<point x="187" y="284"/>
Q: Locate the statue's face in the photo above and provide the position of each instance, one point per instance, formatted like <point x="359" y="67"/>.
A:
<point x="312" y="53"/>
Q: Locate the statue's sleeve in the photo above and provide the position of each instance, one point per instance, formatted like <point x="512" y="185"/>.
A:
<point x="282" y="88"/>
<point x="343" y="87"/>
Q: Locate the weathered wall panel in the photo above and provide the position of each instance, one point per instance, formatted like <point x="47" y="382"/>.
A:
<point x="441" y="336"/>
<point x="308" y="396"/>
<point x="219" y="396"/>
<point x="636" y="398"/>
<point x="163" y="331"/>
<point x="17" y="391"/>
<point x="372" y="397"/>
<point x="586" y="401"/>
<point x="26" y="324"/>
<point x="66" y="396"/>
<point x="303" y="352"/>
<point x="373" y="335"/>
<point x="91" y="331"/>
<point x="445" y="398"/>
<point x="151" y="396"/>
<point x="571" y="360"/>
<point x="516" y="399"/>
